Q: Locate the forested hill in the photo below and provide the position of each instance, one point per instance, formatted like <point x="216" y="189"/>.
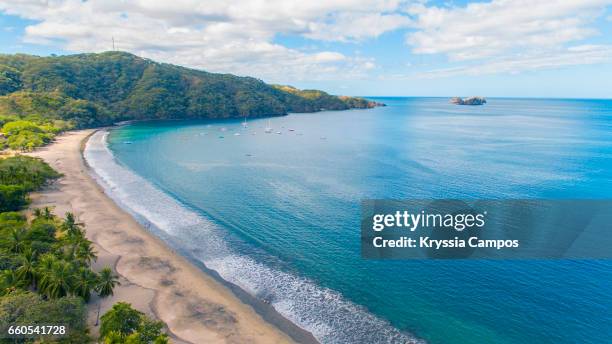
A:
<point x="97" y="89"/>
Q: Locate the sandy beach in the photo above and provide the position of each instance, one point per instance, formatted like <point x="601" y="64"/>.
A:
<point x="154" y="279"/>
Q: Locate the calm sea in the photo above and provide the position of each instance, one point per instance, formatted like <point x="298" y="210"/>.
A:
<point x="278" y="213"/>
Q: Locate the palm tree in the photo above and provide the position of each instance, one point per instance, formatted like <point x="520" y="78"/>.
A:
<point x="106" y="283"/>
<point x="71" y="226"/>
<point x="114" y="337"/>
<point x="85" y="252"/>
<point x="27" y="271"/>
<point x="37" y="212"/>
<point x="43" y="270"/>
<point x="74" y="245"/>
<point x="47" y="213"/>
<point x="84" y="282"/>
<point x="58" y="280"/>
<point x="9" y="281"/>
<point x="15" y="241"/>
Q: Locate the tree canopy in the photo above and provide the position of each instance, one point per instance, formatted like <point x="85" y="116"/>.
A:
<point x="123" y="324"/>
<point x="96" y="89"/>
<point x="45" y="261"/>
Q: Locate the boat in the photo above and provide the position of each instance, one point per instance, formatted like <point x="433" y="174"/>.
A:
<point x="127" y="142"/>
<point x="244" y="124"/>
<point x="236" y="134"/>
<point x="278" y="132"/>
<point x="268" y="128"/>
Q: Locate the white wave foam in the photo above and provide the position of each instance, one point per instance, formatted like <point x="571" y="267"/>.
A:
<point x="325" y="313"/>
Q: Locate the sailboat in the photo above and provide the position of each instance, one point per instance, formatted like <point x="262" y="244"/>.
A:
<point x="244" y="124"/>
<point x="268" y="128"/>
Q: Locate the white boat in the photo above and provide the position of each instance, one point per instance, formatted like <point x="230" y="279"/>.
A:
<point x="268" y="128"/>
<point x="244" y="124"/>
<point x="236" y="134"/>
<point x="278" y="132"/>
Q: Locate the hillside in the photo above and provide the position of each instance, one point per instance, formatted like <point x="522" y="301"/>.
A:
<point x="88" y="90"/>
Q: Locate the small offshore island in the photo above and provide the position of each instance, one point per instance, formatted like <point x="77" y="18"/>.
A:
<point x="468" y="101"/>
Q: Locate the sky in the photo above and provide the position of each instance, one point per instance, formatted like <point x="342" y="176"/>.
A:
<point x="509" y="48"/>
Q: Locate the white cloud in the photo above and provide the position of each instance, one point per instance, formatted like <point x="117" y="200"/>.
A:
<point x="574" y="55"/>
<point x="352" y="26"/>
<point x="500" y="36"/>
<point x="494" y="28"/>
<point x="508" y="36"/>
<point x="233" y="37"/>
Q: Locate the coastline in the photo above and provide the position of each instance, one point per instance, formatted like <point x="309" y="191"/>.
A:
<point x="154" y="278"/>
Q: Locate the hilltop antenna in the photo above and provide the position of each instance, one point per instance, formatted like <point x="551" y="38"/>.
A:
<point x="113" y="43"/>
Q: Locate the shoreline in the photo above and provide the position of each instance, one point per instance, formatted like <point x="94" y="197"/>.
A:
<point x="155" y="279"/>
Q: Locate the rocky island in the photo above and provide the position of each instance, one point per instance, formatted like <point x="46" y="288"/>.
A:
<point x="468" y="101"/>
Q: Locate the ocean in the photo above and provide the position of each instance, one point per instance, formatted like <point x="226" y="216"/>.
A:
<point x="278" y="213"/>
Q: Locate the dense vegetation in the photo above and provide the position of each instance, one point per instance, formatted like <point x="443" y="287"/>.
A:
<point x="18" y="176"/>
<point x="45" y="265"/>
<point x="123" y="324"/>
<point x="87" y="90"/>
<point x="45" y="275"/>
<point x="25" y="135"/>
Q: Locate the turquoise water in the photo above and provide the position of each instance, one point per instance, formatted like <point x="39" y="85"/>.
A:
<point x="278" y="214"/>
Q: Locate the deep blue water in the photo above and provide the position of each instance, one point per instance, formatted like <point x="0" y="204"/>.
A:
<point x="287" y="207"/>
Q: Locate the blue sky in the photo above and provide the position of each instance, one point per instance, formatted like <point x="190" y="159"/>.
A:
<point x="512" y="48"/>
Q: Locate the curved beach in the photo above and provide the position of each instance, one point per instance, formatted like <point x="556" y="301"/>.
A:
<point x="154" y="279"/>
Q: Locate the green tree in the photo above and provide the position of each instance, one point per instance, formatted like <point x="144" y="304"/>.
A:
<point x="121" y="318"/>
<point x="47" y="213"/>
<point x="15" y="127"/>
<point x="23" y="307"/>
<point x="12" y="197"/>
<point x="58" y="280"/>
<point x="106" y="282"/>
<point x="71" y="226"/>
<point x="15" y="241"/>
<point x="27" y="172"/>
<point x="123" y="324"/>
<point x="27" y="270"/>
<point x="114" y="337"/>
<point x="85" y="253"/>
<point x="84" y="282"/>
<point x="148" y="330"/>
<point x="9" y="282"/>
<point x="43" y="269"/>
